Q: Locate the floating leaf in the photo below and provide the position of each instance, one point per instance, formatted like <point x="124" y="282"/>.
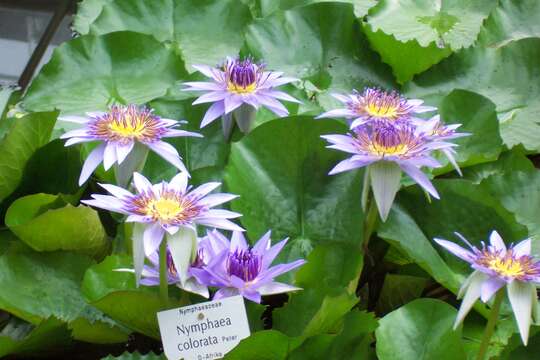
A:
<point x="91" y="72"/>
<point x="422" y="329"/>
<point x="46" y="223"/>
<point x="22" y="138"/>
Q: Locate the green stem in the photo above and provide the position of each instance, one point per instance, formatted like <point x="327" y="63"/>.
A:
<point x="369" y="223"/>
<point x="163" y="281"/>
<point x="490" y="327"/>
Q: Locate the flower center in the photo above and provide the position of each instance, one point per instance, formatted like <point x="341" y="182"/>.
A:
<point x="508" y="265"/>
<point x="386" y="111"/>
<point x="242" y="76"/>
<point x="167" y="206"/>
<point x="124" y="124"/>
<point x="132" y="128"/>
<point x="245" y="264"/>
<point x="387" y="140"/>
<point x="164" y="209"/>
<point x="381" y="104"/>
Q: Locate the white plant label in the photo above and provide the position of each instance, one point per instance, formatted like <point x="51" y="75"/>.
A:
<point x="204" y="331"/>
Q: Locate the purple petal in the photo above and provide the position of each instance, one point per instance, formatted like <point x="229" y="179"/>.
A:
<point x="352" y="163"/>
<point x="276" y="288"/>
<point x="216" y="199"/>
<point x="207" y="70"/>
<point x="116" y="190"/>
<point x="252" y="296"/>
<point x="225" y="292"/>
<point x="263" y="244"/>
<point x="336" y="113"/>
<point x="232" y="102"/>
<point x="385" y="183"/>
<point x="455" y="249"/>
<point x="141" y="183"/>
<point x="109" y="156"/>
<point x="122" y="151"/>
<point x="490" y="287"/>
<point x="280" y="95"/>
<point x="238" y="241"/>
<point x="214" y="111"/>
<point x="76" y="140"/>
<point x="202" y="85"/>
<point x="273" y="105"/>
<point x="153" y="235"/>
<point x="211" y="97"/>
<point x="138" y="219"/>
<point x="497" y="242"/>
<point x="272" y="253"/>
<point x="179" y="182"/>
<point x="74" y="119"/>
<point x="279" y="82"/>
<point x="222" y="214"/>
<point x="91" y="163"/>
<point x="169" y="153"/>
<point x="178" y="133"/>
<point x="277" y="270"/>
<point x="420" y="178"/>
<point x="219" y="224"/>
<point x="204" y="189"/>
<point x="76" y="133"/>
<point x="359" y="121"/>
<point x="522" y="248"/>
<point x="106" y="202"/>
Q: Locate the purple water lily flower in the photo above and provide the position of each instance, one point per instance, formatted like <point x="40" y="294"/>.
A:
<point x="436" y="129"/>
<point x="241" y="269"/>
<point x="170" y="210"/>
<point x="165" y="207"/>
<point x="120" y="129"/>
<point x="496" y="266"/>
<point x="150" y="276"/>
<point x="240" y="87"/>
<point x="376" y="104"/>
<point x="386" y="149"/>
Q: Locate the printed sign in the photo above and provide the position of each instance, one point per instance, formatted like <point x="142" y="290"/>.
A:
<point x="203" y="331"/>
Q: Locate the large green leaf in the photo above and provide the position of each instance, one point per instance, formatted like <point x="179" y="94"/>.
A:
<point x="508" y="76"/>
<point x="320" y="42"/>
<point x="280" y="171"/>
<point x="206" y="31"/>
<point x="464" y="207"/>
<point x="20" y="337"/>
<point x="91" y="72"/>
<point x="256" y="347"/>
<point x="22" y="138"/>
<point x="56" y="166"/>
<point x="329" y="281"/>
<point x="478" y="118"/>
<point x="452" y="23"/>
<point x="509" y="161"/>
<point x="398" y="290"/>
<point x="197" y="153"/>
<point x="352" y="342"/>
<point x="519" y="193"/>
<point x="267" y="7"/>
<point x="403" y="232"/>
<point x="512" y="20"/>
<point x="106" y="288"/>
<point x="46" y="223"/>
<point x="420" y="330"/>
<point x="48" y="285"/>
<point x="406" y="58"/>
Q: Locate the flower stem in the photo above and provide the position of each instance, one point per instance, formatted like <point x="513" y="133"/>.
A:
<point x="370" y="221"/>
<point x="490" y="327"/>
<point x="163" y="278"/>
